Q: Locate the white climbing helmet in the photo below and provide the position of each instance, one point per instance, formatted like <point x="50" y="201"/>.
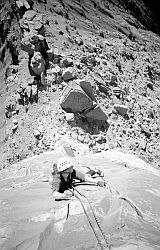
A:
<point x="63" y="164"/>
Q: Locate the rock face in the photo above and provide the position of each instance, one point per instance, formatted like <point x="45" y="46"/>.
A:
<point x="129" y="206"/>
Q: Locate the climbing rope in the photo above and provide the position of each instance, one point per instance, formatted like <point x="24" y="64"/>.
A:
<point x="114" y="192"/>
<point x="95" y="217"/>
<point x="89" y="220"/>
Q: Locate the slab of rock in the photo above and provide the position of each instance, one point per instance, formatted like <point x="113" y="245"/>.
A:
<point x="97" y="114"/>
<point x="67" y="74"/>
<point x="78" y="97"/>
<point x="69" y="117"/>
<point x="121" y="109"/>
<point x="22" y="3"/>
<point x="145" y="129"/>
<point x="66" y="62"/>
<point x="56" y="70"/>
<point x="87" y="88"/>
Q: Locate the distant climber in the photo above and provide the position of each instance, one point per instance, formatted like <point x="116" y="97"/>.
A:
<point x="64" y="176"/>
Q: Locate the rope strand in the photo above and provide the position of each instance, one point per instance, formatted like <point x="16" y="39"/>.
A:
<point x="89" y="220"/>
<point x="95" y="217"/>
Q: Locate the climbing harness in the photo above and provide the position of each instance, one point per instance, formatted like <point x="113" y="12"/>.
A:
<point x="89" y="220"/>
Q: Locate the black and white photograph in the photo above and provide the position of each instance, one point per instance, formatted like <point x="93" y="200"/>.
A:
<point x="79" y="125"/>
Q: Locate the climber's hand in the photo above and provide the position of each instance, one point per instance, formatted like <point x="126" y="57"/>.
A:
<point x="100" y="173"/>
<point x="101" y="183"/>
<point x="64" y="197"/>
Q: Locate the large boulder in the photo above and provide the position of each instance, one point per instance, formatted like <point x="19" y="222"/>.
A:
<point x="78" y="97"/>
<point x="122" y="216"/>
<point x="74" y="99"/>
<point x="97" y="114"/>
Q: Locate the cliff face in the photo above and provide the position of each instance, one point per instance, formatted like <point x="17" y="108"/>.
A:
<point x="126" y="209"/>
<point x="146" y="12"/>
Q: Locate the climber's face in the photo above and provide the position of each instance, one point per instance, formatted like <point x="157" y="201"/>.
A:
<point x="67" y="172"/>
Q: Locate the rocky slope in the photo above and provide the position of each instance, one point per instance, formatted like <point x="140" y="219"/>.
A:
<point x="107" y="43"/>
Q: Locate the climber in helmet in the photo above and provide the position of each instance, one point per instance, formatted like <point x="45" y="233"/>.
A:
<point x="64" y="175"/>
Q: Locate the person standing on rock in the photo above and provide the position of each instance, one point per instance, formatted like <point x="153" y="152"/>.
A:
<point x="64" y="175"/>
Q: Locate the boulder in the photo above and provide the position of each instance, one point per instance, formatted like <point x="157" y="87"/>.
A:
<point x="79" y="41"/>
<point x="56" y="70"/>
<point x="69" y="117"/>
<point x="50" y="54"/>
<point x="67" y="74"/>
<point x="50" y="79"/>
<point x="78" y="97"/>
<point x="23" y="3"/>
<point x="67" y="62"/>
<point x="74" y="99"/>
<point x="87" y="88"/>
<point x="121" y="109"/>
<point x="10" y="103"/>
<point x="113" y="79"/>
<point x="97" y="114"/>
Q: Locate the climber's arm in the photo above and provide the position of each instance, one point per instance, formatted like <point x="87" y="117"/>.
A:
<point x="88" y="178"/>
